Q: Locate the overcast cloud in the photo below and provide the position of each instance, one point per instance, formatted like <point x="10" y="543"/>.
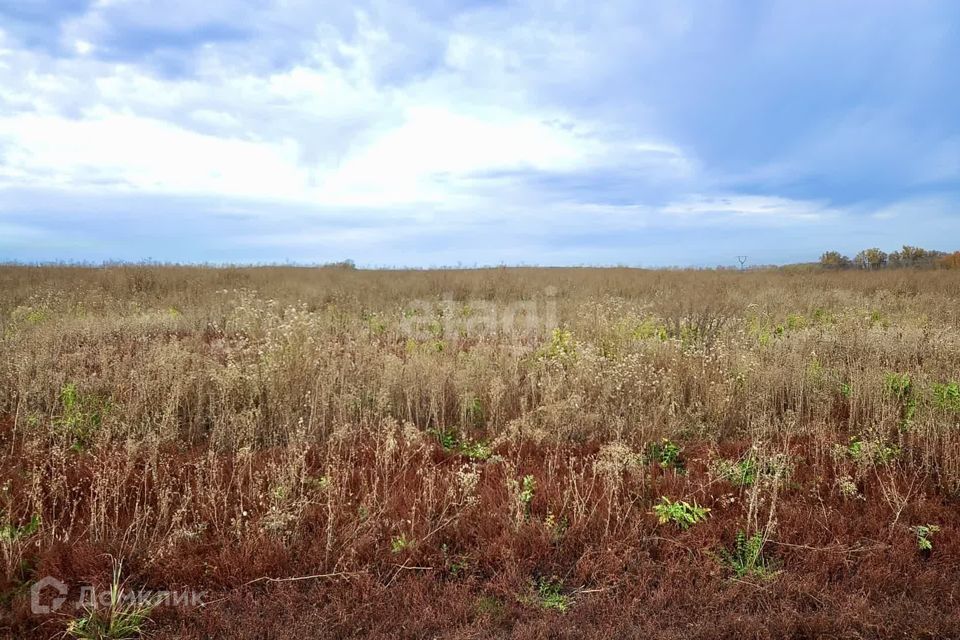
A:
<point x="440" y="133"/>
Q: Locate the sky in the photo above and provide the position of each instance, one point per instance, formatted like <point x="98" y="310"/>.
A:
<point x="444" y="133"/>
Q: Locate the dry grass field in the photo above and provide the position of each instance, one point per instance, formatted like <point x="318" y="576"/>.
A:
<point x="499" y="453"/>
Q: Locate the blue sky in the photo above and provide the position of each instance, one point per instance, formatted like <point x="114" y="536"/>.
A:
<point x="474" y="133"/>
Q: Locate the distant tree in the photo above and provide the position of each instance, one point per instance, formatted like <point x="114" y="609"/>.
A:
<point x="950" y="260"/>
<point x="871" y="259"/>
<point x="834" y="260"/>
<point x="913" y="257"/>
<point x="346" y="265"/>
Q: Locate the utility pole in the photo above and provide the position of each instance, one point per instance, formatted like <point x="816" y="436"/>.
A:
<point x="743" y="261"/>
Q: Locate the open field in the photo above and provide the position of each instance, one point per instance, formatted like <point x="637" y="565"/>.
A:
<point x="518" y="453"/>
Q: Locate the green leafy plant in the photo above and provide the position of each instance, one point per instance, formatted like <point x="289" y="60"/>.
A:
<point x="900" y="386"/>
<point x="80" y="417"/>
<point x="36" y="316"/>
<point x="683" y="514"/>
<point x="377" y="326"/>
<point x="556" y="526"/>
<point x="522" y="491"/>
<point x="878" y="319"/>
<point x="946" y="396"/>
<point x="650" y="329"/>
<point x="450" y="440"/>
<point x="816" y="371"/>
<point x="746" y="557"/>
<point x="666" y="453"/>
<point x="739" y="472"/>
<point x="924" y="533"/>
<point x="10" y="532"/>
<point x="796" y="321"/>
<point x="822" y="316"/>
<point x="527" y="492"/>
<point x="875" y="451"/>
<point x="848" y="488"/>
<point x="457" y="565"/>
<point x="561" y="346"/>
<point x="317" y="483"/>
<point x="399" y="544"/>
<point x="550" y="594"/>
<point x="447" y="438"/>
<point x="123" y="618"/>
<point x="473" y="411"/>
<point x="475" y="449"/>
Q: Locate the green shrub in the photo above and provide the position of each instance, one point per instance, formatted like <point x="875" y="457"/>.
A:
<point x="80" y="417"/>
<point x="10" y="532"/>
<point x="924" y="533"/>
<point x="796" y="321"/>
<point x="475" y="449"/>
<point x="846" y="390"/>
<point x="742" y="473"/>
<point x="550" y="594"/>
<point x="875" y="451"/>
<point x="900" y="386"/>
<point x="399" y="544"/>
<point x="683" y="514"/>
<point x="666" y="453"/>
<point x="561" y="346"/>
<point x="946" y="396"/>
<point x="122" y="619"/>
<point x="650" y="329"/>
<point x="451" y="441"/>
<point x="746" y="557"/>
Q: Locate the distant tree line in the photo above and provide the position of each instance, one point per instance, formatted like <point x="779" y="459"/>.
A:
<point x="907" y="257"/>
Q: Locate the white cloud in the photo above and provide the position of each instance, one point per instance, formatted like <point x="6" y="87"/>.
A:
<point x="417" y="160"/>
<point x="324" y="134"/>
<point x="752" y="208"/>
<point x="409" y="119"/>
<point x="83" y="47"/>
<point x="117" y="151"/>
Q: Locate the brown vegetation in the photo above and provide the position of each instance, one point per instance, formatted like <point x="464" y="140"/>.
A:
<point x="906" y="257"/>
<point x="342" y="453"/>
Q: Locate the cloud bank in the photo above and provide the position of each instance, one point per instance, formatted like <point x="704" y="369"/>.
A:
<point x="437" y="133"/>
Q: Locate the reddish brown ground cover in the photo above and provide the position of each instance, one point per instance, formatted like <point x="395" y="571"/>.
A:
<point x="838" y="567"/>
